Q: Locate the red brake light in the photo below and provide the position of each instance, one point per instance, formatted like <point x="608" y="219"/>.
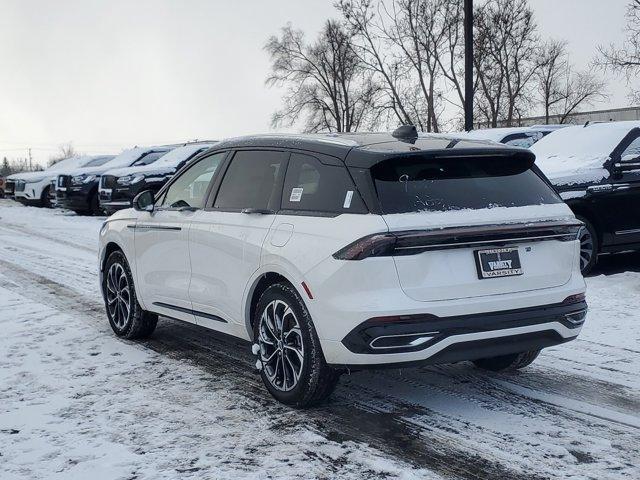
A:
<point x="375" y="245"/>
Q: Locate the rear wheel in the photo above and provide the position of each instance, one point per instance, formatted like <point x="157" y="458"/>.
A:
<point x="503" y="363"/>
<point x="126" y="316"/>
<point x="292" y="364"/>
<point x="588" y="246"/>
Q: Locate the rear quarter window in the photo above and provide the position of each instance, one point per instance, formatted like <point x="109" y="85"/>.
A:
<point x="311" y="186"/>
<point x="414" y="184"/>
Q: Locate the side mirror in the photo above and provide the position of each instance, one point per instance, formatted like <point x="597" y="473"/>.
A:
<point x="144" y="201"/>
<point x="628" y="162"/>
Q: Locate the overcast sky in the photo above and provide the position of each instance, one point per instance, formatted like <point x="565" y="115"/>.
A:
<point x="109" y="74"/>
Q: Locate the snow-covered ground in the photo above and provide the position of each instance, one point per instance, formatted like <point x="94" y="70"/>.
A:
<point x="77" y="402"/>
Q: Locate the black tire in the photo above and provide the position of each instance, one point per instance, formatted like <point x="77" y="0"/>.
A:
<point x="94" y="205"/>
<point x="589" y="246"/>
<point x="45" y="200"/>
<point x="132" y="322"/>
<point x="503" y="363"/>
<point x="315" y="380"/>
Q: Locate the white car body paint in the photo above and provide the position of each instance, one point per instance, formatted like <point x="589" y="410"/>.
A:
<point x="208" y="262"/>
<point x="228" y="253"/>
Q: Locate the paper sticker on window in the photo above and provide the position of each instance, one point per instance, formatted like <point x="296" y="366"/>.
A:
<point x="347" y="199"/>
<point x="296" y="194"/>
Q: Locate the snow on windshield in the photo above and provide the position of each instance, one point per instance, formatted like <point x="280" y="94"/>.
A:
<point x="575" y="149"/>
<point x="127" y="157"/>
<point x="177" y="155"/>
<point x="69" y="162"/>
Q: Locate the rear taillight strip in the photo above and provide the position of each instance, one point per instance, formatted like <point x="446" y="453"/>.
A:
<point x="416" y="241"/>
<point x="439" y="246"/>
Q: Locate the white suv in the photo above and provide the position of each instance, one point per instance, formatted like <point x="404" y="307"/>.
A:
<point x="340" y="252"/>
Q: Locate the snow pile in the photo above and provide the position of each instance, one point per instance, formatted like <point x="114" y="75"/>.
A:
<point x="578" y="154"/>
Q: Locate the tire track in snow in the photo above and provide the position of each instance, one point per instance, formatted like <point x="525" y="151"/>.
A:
<point x="230" y="358"/>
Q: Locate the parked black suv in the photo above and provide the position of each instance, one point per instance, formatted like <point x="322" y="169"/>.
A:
<point x="596" y="170"/>
<point x="119" y="187"/>
<point x="78" y="190"/>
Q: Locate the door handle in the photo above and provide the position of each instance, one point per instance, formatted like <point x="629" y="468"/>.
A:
<point x="259" y="211"/>
<point x="187" y="209"/>
<point x="596" y="189"/>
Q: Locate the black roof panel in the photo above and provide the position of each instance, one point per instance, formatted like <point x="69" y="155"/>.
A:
<point x="369" y="148"/>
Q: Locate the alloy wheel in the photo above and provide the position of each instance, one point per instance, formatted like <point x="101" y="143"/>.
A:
<point x="281" y="345"/>
<point x="586" y="247"/>
<point x="118" y="295"/>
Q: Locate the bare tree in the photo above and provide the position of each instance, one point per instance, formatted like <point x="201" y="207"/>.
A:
<point x="324" y="82"/>
<point x="505" y="58"/>
<point x="561" y="89"/>
<point x="373" y="48"/>
<point x="550" y="76"/>
<point x="625" y="60"/>
<point x="64" y="151"/>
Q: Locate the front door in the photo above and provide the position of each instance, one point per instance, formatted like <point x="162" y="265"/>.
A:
<point x="623" y="203"/>
<point x="162" y="241"/>
<point x="226" y="239"/>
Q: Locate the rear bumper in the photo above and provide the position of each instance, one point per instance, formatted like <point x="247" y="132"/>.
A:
<point x="427" y="339"/>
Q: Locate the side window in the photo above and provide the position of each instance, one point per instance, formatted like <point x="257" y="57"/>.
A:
<point x="250" y="181"/>
<point x="314" y="187"/>
<point x="633" y="149"/>
<point x="189" y="189"/>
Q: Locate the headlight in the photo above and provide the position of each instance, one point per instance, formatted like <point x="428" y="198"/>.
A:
<point x="129" y="179"/>
<point x="78" y="179"/>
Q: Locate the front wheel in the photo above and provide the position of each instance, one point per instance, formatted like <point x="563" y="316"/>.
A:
<point x="588" y="246"/>
<point x="515" y="361"/>
<point x="45" y="199"/>
<point x="126" y="316"/>
<point x="292" y="364"/>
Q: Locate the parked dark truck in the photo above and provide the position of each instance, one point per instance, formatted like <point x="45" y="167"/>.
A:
<point x="119" y="187"/>
<point x="596" y="170"/>
<point x="78" y="190"/>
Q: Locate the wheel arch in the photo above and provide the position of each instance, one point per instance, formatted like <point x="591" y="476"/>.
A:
<point x="259" y="283"/>
<point x="581" y="210"/>
<point x="109" y="248"/>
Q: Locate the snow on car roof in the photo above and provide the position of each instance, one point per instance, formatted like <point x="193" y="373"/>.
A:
<point x="498" y="134"/>
<point x="573" y="150"/>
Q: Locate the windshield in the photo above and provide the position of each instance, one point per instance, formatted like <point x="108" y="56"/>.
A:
<point x="96" y="162"/>
<point x="148" y="158"/>
<point x="416" y="184"/>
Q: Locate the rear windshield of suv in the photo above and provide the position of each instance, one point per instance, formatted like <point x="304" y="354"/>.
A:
<point x="414" y="184"/>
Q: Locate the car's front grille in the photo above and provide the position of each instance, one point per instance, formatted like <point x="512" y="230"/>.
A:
<point x="108" y="181"/>
<point x="20" y="185"/>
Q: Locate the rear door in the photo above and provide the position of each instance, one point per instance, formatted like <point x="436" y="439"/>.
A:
<point x="162" y="240"/>
<point x="226" y="238"/>
<point x="434" y="195"/>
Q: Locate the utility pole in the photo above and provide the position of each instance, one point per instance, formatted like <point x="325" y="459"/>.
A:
<point x="468" y="65"/>
<point x="30" y="159"/>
